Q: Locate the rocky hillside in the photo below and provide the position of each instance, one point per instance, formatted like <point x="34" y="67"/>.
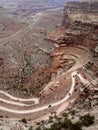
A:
<point x="83" y="11"/>
<point x="25" y="54"/>
<point x="22" y="58"/>
<point x="80" y="20"/>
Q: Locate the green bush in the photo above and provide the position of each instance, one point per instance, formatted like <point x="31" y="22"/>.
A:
<point x="67" y="123"/>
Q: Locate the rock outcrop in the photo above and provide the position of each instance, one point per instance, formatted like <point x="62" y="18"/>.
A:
<point x="66" y="19"/>
<point x="80" y="20"/>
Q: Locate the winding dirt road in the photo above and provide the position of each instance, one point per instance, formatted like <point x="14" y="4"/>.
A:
<point x="35" y="100"/>
<point x="73" y="54"/>
<point x="84" y="81"/>
<point x="78" y="54"/>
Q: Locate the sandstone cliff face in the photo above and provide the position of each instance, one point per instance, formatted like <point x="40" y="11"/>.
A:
<point x="65" y="19"/>
<point x="83" y="24"/>
<point x="83" y="11"/>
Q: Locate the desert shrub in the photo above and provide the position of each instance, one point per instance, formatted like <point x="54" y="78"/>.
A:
<point x="67" y="123"/>
<point x="38" y="123"/>
<point x="50" y="119"/>
<point x="1" y="116"/>
<point x="72" y="112"/>
<point x="24" y="120"/>
<point x="55" y="126"/>
<point x="64" y="114"/>
<point x="76" y="126"/>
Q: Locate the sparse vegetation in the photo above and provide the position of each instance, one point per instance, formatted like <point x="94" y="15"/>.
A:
<point x="87" y="120"/>
<point x="67" y="124"/>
